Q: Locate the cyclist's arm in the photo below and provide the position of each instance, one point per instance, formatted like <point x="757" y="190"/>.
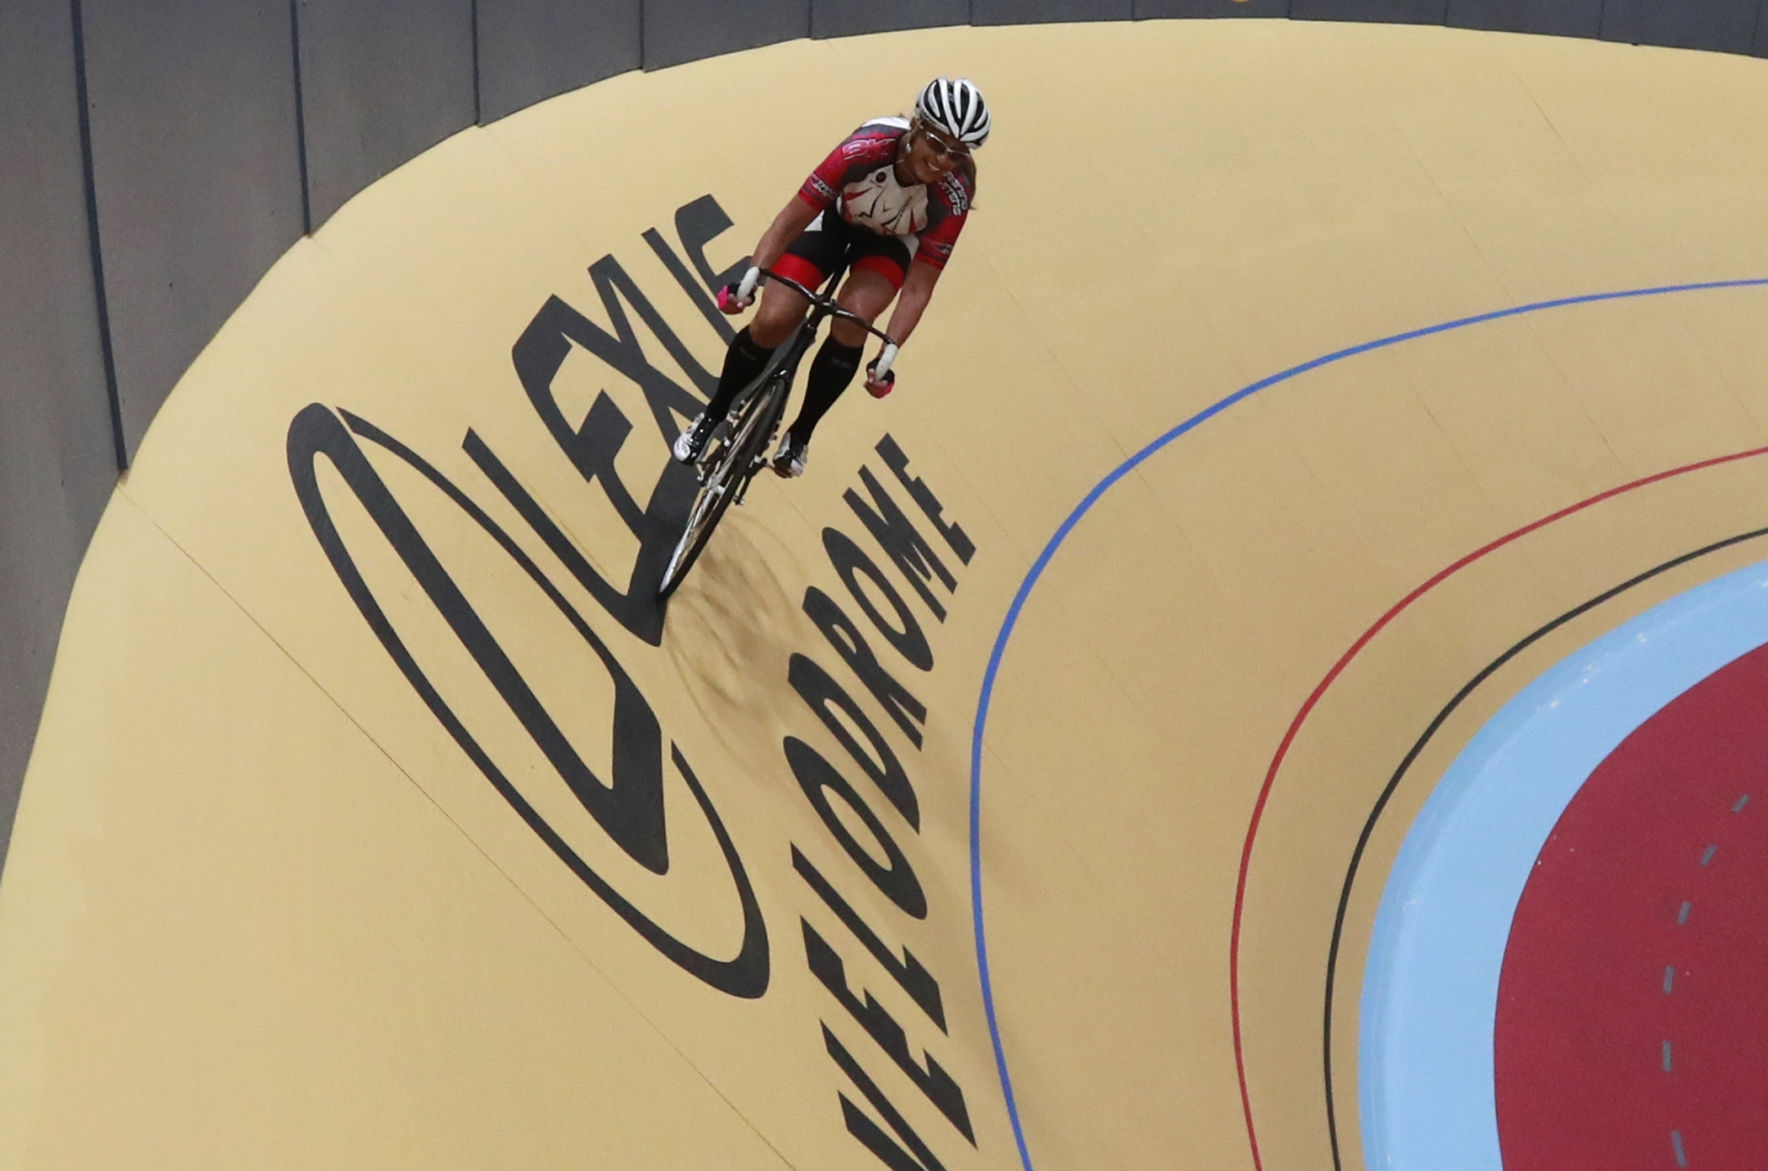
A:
<point x="786" y="227"/>
<point x="917" y="290"/>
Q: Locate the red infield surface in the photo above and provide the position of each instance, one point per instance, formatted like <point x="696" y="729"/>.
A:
<point x="1632" y="1027"/>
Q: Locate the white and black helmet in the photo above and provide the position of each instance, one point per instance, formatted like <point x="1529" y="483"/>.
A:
<point x="954" y="107"/>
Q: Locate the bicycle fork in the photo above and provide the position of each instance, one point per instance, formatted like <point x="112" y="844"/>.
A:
<point x="773" y="433"/>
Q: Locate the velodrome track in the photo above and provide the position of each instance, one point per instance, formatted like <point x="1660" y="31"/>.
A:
<point x="1324" y="494"/>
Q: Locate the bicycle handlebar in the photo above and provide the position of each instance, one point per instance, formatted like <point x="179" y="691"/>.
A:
<point x="827" y="305"/>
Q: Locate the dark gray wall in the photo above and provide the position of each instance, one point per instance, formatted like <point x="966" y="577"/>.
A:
<point x="846" y="18"/>
<point x="1728" y="26"/>
<point x="686" y="30"/>
<point x="1165" y="9"/>
<point x="1383" y="11"/>
<point x="221" y="130"/>
<point x="381" y="82"/>
<point x="1043" y="11"/>
<point x="57" y="453"/>
<point x="1564" y="18"/>
<point x="530" y="50"/>
<point x="197" y="174"/>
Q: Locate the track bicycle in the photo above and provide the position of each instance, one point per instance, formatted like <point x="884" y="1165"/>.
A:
<point x="738" y="449"/>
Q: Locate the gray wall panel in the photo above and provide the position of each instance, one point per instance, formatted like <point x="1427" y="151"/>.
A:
<point x="381" y="82"/>
<point x="530" y="50"/>
<point x="197" y="173"/>
<point x="1565" y="18"/>
<point x="57" y="456"/>
<point x="846" y="18"/>
<point x="1726" y="25"/>
<point x="686" y="30"/>
<point x="1162" y="9"/>
<point x="1041" y="11"/>
<point x="1761" y="45"/>
<point x="1384" y="11"/>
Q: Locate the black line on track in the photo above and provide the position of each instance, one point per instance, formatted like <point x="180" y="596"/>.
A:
<point x="300" y="120"/>
<point x="478" y="103"/>
<point x="95" y="246"/>
<point x="1435" y="725"/>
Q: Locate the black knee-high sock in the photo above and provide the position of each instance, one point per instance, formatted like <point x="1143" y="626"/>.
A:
<point x="830" y="373"/>
<point x="742" y="362"/>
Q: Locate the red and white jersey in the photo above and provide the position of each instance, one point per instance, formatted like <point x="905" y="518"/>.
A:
<point x="859" y="179"/>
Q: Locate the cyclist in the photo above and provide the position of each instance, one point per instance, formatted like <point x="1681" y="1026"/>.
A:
<point x="890" y="200"/>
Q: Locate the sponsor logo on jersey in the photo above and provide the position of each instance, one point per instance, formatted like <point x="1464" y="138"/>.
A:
<point x="955" y="194"/>
<point x="875" y="141"/>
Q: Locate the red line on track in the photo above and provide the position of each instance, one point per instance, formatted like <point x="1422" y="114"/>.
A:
<point x="1319" y="691"/>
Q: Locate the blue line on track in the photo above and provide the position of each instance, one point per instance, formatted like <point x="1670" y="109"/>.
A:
<point x="1085" y="506"/>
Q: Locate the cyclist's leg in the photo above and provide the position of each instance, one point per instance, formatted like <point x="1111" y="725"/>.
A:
<point x="878" y="268"/>
<point x="743" y="363"/>
<point x="780" y="312"/>
<point x="781" y="308"/>
<point x="808" y="260"/>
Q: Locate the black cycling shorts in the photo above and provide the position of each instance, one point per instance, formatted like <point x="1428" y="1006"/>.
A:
<point x="830" y="239"/>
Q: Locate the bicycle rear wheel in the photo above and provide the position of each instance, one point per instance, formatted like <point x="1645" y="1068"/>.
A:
<point x="730" y="469"/>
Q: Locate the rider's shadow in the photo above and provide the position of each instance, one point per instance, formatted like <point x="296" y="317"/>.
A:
<point x="730" y="630"/>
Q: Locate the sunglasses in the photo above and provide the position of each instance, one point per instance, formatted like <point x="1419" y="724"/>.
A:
<point x="943" y="148"/>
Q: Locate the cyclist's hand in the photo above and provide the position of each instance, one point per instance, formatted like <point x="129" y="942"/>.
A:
<point x="879" y="387"/>
<point x="733" y="299"/>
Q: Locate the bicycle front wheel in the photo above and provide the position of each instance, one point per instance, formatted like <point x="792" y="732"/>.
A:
<point x="730" y="470"/>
